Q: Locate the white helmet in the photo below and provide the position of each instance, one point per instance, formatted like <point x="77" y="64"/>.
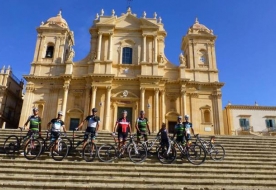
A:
<point x="60" y="113"/>
<point x="187" y="116"/>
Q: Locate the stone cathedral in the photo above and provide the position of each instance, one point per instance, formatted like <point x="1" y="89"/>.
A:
<point x="126" y="69"/>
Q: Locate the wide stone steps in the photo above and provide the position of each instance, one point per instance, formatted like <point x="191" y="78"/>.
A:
<point x="249" y="163"/>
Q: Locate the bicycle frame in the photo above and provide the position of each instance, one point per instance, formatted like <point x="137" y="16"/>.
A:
<point x="207" y="146"/>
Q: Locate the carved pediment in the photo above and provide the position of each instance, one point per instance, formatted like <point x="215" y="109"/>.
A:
<point x="128" y="21"/>
<point x="125" y="94"/>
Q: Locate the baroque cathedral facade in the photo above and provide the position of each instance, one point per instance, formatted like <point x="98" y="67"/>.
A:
<point x="126" y="69"/>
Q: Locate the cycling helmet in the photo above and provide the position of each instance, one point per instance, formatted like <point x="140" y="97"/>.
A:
<point x="142" y="112"/>
<point x="60" y="113"/>
<point x="35" y="109"/>
<point x="124" y="111"/>
<point x="179" y="117"/>
<point x="187" y="116"/>
<point x="94" y="110"/>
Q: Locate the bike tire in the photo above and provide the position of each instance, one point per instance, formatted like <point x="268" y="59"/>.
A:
<point x="43" y="144"/>
<point x="61" y="152"/>
<point x="89" y="152"/>
<point x="69" y="143"/>
<point x="138" y="154"/>
<point x="11" y="145"/>
<point x="32" y="149"/>
<point x="165" y="158"/>
<point x="217" y="152"/>
<point x="107" y="153"/>
<point x="196" y="154"/>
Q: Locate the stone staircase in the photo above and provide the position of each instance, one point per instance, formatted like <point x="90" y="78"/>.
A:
<point x="250" y="163"/>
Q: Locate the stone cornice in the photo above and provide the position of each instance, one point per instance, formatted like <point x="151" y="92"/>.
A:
<point x="149" y="77"/>
<point x="217" y="84"/>
<point x="125" y="78"/>
<point x="248" y="107"/>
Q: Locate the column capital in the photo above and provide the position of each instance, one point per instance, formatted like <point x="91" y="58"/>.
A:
<point x="156" y="90"/>
<point x="94" y="88"/>
<point x="143" y="89"/>
<point x="108" y="87"/>
<point x="100" y="33"/>
<point x="144" y="35"/>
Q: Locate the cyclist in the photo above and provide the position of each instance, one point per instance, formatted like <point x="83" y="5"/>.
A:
<point x="35" y="123"/>
<point x="122" y="126"/>
<point x="93" y="124"/>
<point x="188" y="127"/>
<point x="164" y="136"/>
<point x="179" y="131"/>
<point x="142" y="126"/>
<point x="56" y="124"/>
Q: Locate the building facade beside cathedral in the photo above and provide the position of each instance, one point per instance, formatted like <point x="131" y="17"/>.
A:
<point x="126" y="69"/>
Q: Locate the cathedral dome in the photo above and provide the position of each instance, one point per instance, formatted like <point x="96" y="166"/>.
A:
<point x="58" y="20"/>
<point x="199" y="27"/>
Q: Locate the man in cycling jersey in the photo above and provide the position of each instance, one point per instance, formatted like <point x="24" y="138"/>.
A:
<point x="35" y="123"/>
<point x="122" y="126"/>
<point x="142" y="126"/>
<point x="188" y="127"/>
<point x="179" y="131"/>
<point x="55" y="125"/>
<point x="93" y="124"/>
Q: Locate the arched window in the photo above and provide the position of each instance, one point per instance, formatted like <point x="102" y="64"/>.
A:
<point x="203" y="57"/>
<point x="206" y="114"/>
<point x="127" y="55"/>
<point x="49" y="51"/>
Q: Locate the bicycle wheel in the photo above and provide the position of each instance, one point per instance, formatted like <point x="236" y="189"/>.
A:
<point x="164" y="156"/>
<point x="196" y="154"/>
<point x="107" y="153"/>
<point x="59" y="150"/>
<point x="68" y="142"/>
<point x="89" y="152"/>
<point x="43" y="144"/>
<point x="137" y="154"/>
<point x="32" y="149"/>
<point x="217" y="152"/>
<point x="11" y="145"/>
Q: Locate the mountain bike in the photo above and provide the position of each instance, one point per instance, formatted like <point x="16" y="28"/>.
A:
<point x="216" y="151"/>
<point x="136" y="153"/>
<point x="32" y="147"/>
<point x="150" y="144"/>
<point x="193" y="152"/>
<point x="58" y="148"/>
<point x="89" y="150"/>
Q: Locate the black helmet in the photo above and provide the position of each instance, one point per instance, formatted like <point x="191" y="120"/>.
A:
<point x="94" y="110"/>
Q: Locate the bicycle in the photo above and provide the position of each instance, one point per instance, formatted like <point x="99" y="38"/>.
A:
<point x="150" y="144"/>
<point x="193" y="152"/>
<point x="89" y="151"/>
<point x="32" y="146"/>
<point x="216" y="151"/>
<point x="136" y="153"/>
<point x="58" y="148"/>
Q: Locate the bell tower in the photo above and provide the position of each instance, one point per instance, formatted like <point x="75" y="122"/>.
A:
<point x="53" y="46"/>
<point x="199" y="53"/>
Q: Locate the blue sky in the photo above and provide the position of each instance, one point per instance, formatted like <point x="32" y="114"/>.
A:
<point x="245" y="29"/>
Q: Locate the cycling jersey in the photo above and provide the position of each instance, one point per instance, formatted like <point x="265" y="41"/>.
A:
<point x="123" y="125"/>
<point x="56" y="124"/>
<point x="92" y="121"/>
<point x="179" y="129"/>
<point x="34" y="122"/>
<point x="187" y="127"/>
<point x="142" y="124"/>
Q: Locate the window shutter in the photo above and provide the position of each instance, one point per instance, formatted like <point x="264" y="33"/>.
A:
<point x="273" y="123"/>
<point x="267" y="123"/>
<point x="241" y="122"/>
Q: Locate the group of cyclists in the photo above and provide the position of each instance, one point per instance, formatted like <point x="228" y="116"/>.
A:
<point x="182" y="130"/>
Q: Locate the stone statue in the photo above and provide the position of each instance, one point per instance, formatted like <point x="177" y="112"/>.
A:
<point x="93" y="55"/>
<point x="182" y="59"/>
<point x="161" y="58"/>
<point x="71" y="55"/>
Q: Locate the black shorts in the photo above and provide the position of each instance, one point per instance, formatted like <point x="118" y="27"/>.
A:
<point x="123" y="136"/>
<point x="54" y="135"/>
<point x="90" y="131"/>
<point x="164" y="142"/>
<point x="180" y="139"/>
<point x="144" y="134"/>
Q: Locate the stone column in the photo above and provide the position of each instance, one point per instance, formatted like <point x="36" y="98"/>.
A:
<point x="87" y="100"/>
<point x="142" y="99"/>
<point x="156" y="107"/>
<point x="65" y="97"/>
<point x="107" y="108"/>
<point x="183" y="102"/>
<point x="110" y="47"/>
<point x="41" y="49"/>
<point x="56" y="50"/>
<point x="144" y="47"/>
<point x="163" y="105"/>
<point x="26" y="104"/>
<point x="93" y="97"/>
<point x="37" y="47"/>
<point x="216" y="113"/>
<point x="155" y="49"/>
<point x="99" y="45"/>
